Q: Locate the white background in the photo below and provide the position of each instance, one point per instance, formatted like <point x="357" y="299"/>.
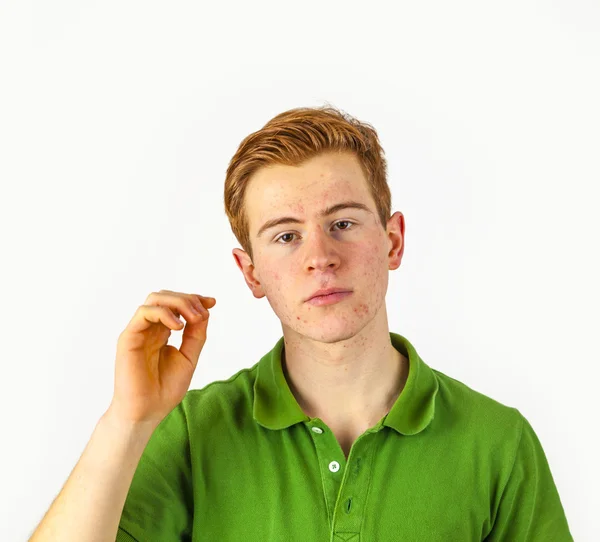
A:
<point x="118" y="120"/>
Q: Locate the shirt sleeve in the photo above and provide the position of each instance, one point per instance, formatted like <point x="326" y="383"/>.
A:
<point x="530" y="509"/>
<point x="159" y="504"/>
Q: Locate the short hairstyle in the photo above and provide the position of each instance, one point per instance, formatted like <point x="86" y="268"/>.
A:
<point x="297" y="135"/>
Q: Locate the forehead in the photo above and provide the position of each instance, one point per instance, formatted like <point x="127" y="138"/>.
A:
<point x="308" y="188"/>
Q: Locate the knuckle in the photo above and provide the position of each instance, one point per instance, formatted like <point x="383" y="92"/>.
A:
<point x="195" y="310"/>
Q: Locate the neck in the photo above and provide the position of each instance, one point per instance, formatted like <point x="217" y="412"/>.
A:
<point x="350" y="383"/>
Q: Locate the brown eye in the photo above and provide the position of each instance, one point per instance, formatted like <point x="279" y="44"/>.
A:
<point x="292" y="234"/>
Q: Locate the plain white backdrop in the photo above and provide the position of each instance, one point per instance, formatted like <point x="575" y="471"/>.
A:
<point x="118" y="120"/>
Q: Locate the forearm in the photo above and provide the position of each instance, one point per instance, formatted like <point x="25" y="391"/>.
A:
<point x="90" y="505"/>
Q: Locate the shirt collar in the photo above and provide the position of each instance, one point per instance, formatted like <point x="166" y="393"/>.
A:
<point x="275" y="407"/>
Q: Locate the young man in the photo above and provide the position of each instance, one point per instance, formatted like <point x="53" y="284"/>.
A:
<point x="323" y="235"/>
<point x="341" y="432"/>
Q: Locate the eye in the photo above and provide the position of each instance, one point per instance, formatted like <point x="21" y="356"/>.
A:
<point x="289" y="233"/>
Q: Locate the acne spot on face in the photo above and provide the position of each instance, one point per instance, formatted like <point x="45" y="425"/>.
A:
<point x="362" y="309"/>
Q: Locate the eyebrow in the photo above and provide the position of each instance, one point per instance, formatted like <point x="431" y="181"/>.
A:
<point x="329" y="211"/>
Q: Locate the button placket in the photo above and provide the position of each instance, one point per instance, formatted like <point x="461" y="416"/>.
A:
<point x="330" y="461"/>
<point x="351" y="500"/>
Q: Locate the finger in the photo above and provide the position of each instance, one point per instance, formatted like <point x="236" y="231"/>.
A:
<point x="187" y="306"/>
<point x="205" y="302"/>
<point x="146" y="316"/>
<point x="193" y="340"/>
<point x="194" y="333"/>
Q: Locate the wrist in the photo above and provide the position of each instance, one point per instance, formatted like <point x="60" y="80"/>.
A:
<point x="124" y="426"/>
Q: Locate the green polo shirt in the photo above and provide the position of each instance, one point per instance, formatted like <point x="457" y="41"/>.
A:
<point x="239" y="461"/>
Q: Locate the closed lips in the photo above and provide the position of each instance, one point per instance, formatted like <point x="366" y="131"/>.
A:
<point x="328" y="291"/>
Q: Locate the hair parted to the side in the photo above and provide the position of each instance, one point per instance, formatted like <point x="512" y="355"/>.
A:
<point x="293" y="137"/>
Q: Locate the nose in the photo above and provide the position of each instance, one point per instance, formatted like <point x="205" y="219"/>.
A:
<point x="320" y="250"/>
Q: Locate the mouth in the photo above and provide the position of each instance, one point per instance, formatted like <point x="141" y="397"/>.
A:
<point x="329" y="299"/>
<point x="327" y="291"/>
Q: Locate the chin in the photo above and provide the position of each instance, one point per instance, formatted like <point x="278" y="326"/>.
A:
<point x="330" y="333"/>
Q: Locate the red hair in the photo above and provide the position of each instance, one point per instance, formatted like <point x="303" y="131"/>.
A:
<point x="293" y="137"/>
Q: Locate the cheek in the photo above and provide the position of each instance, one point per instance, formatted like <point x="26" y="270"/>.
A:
<point x="371" y="261"/>
<point x="373" y="275"/>
<point x="275" y="282"/>
<point x="270" y="274"/>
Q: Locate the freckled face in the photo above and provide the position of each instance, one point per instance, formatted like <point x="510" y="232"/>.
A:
<point x="347" y="249"/>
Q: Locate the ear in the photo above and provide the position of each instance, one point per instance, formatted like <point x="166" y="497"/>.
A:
<point x="243" y="261"/>
<point x="395" y="233"/>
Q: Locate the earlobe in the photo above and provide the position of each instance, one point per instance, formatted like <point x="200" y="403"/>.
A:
<point x="248" y="270"/>
<point x="253" y="284"/>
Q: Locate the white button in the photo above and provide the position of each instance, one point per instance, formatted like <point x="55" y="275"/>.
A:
<point x="317" y="430"/>
<point x="334" y="466"/>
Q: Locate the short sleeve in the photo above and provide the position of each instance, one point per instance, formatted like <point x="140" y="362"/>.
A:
<point x="159" y="504"/>
<point x="530" y="509"/>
